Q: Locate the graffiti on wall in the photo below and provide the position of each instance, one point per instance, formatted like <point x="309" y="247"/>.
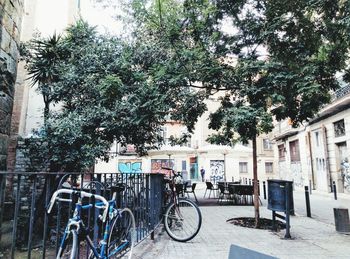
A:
<point x="283" y="170"/>
<point x="216" y="170"/>
<point x="297" y="174"/>
<point x="158" y="164"/>
<point x="130" y="166"/>
<point x="345" y="172"/>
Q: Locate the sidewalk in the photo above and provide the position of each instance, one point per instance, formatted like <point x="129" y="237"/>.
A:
<point x="311" y="237"/>
<point x="321" y="205"/>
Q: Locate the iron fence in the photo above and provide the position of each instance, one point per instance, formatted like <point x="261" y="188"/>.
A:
<point x="26" y="230"/>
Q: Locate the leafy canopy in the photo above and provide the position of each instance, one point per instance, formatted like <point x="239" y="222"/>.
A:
<point x="108" y="90"/>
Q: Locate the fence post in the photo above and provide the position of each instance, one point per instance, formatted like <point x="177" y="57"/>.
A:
<point x="32" y="215"/>
<point x="335" y="190"/>
<point x="46" y="220"/>
<point x="2" y="197"/>
<point x="15" y="217"/>
<point x="307" y="200"/>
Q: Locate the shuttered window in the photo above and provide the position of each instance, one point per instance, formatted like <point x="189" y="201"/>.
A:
<point x="294" y="151"/>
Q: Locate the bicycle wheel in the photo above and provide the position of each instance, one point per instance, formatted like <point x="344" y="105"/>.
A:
<point x="69" y="249"/>
<point x="122" y="236"/>
<point x="183" y="221"/>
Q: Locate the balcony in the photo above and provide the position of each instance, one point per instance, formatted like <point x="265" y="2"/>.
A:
<point x="340" y="93"/>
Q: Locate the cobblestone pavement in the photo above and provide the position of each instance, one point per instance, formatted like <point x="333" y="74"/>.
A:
<point x="311" y="237"/>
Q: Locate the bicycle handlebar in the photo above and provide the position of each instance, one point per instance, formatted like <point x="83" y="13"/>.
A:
<point x="82" y="195"/>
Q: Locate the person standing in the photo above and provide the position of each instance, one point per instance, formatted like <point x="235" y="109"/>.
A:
<point x="202" y="173"/>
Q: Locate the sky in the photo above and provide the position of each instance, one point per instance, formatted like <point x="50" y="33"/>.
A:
<point x="101" y="17"/>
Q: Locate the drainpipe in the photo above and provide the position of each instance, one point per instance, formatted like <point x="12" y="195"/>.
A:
<point x="311" y="161"/>
<point x="325" y="146"/>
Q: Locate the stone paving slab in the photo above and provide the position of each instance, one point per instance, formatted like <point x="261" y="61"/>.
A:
<point x="310" y="238"/>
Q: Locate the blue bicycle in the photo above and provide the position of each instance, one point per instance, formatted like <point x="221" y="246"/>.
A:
<point x="119" y="230"/>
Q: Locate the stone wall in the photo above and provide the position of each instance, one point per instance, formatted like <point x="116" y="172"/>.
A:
<point x="11" y="12"/>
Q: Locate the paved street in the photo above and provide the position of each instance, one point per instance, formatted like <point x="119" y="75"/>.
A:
<point x="311" y="237"/>
<point x="321" y="204"/>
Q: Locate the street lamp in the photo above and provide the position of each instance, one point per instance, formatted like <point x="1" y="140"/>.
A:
<point x="169" y="155"/>
<point x="225" y="152"/>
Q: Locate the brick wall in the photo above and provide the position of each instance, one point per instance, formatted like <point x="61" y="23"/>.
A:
<point x="10" y="22"/>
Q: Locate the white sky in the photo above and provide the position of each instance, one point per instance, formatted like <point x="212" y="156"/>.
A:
<point x="101" y="17"/>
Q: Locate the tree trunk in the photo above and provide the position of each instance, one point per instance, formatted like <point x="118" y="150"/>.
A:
<point x="46" y="111"/>
<point x="256" y="186"/>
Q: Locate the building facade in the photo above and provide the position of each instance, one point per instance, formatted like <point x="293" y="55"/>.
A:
<point x="11" y="19"/>
<point x="27" y="113"/>
<point x="314" y="155"/>
<point x="219" y="162"/>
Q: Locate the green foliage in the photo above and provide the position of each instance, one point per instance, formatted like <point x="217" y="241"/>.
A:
<point x="278" y="60"/>
<point x="286" y="57"/>
<point x="107" y="90"/>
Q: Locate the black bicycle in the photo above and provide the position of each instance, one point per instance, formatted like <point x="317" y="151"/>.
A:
<point x="182" y="217"/>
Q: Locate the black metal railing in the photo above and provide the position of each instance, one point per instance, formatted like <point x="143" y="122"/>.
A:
<point x="340" y="93"/>
<point x="26" y="230"/>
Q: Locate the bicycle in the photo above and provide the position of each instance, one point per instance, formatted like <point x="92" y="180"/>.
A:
<point x="118" y="234"/>
<point x="182" y="217"/>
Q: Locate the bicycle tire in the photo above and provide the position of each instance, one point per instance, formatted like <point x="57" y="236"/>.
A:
<point x="182" y="222"/>
<point x="67" y="251"/>
<point x="122" y="236"/>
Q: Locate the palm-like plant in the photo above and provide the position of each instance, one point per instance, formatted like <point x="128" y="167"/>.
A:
<point x="43" y="65"/>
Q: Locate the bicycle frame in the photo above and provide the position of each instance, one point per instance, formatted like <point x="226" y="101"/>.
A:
<point x="77" y="223"/>
<point x="174" y="195"/>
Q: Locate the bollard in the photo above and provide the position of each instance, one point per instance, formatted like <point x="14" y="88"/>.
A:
<point x="264" y="188"/>
<point x="307" y="200"/>
<point x="250" y="181"/>
<point x="232" y="179"/>
<point x="335" y="190"/>
<point x="287" y="235"/>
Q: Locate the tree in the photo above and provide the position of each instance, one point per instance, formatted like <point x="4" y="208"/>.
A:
<point x="278" y="60"/>
<point x="302" y="46"/>
<point x="108" y="90"/>
<point x="43" y="57"/>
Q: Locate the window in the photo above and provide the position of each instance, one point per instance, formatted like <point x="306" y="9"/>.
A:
<point x="281" y="153"/>
<point x="267" y="144"/>
<point x="339" y="128"/>
<point x="243" y="167"/>
<point x="268" y="167"/>
<point x="294" y="151"/>
<point x="317" y="138"/>
<point x="183" y="165"/>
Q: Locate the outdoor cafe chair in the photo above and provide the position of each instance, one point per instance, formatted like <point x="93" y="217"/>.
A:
<point x="211" y="188"/>
<point x="232" y="190"/>
<point x="223" y="193"/>
<point x="193" y="187"/>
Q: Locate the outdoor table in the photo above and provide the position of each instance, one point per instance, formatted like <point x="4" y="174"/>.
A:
<point x="241" y="191"/>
